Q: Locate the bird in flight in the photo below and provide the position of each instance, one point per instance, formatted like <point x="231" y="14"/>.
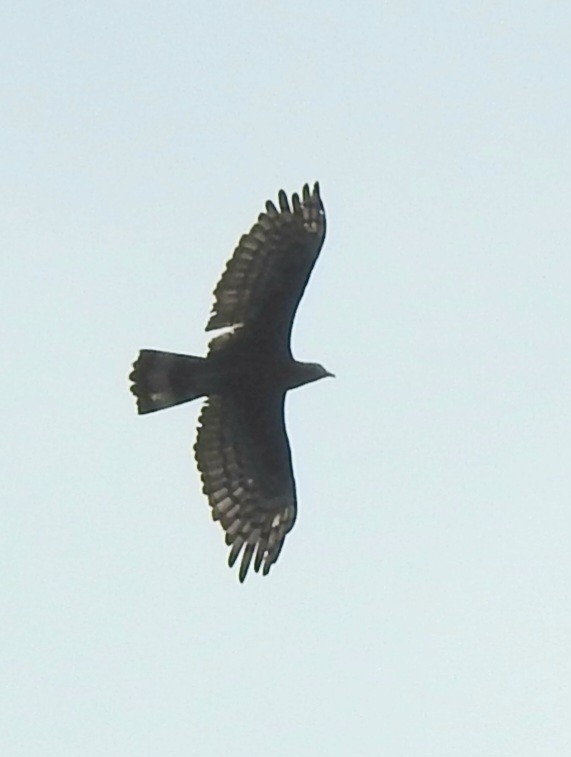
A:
<point x="242" y="450"/>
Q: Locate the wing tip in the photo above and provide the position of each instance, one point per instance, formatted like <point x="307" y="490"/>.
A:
<point x="283" y="201"/>
<point x="298" y="200"/>
<point x="271" y="209"/>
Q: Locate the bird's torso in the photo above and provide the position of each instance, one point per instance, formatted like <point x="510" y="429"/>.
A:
<point x="246" y="364"/>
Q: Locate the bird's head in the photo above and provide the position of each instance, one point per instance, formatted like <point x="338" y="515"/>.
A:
<point x="305" y="373"/>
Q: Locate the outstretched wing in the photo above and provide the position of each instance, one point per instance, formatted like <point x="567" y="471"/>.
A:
<point x="244" y="459"/>
<point x="265" y="278"/>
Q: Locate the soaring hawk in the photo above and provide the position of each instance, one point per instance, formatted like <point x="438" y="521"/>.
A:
<point x="242" y="449"/>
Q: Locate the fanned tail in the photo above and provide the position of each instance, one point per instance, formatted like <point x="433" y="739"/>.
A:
<point x="163" y="379"/>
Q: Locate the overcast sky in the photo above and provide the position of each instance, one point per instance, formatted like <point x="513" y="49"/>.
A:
<point x="421" y="605"/>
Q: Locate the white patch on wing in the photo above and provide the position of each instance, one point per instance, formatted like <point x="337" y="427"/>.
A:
<point x="215" y="333"/>
<point x="222" y="336"/>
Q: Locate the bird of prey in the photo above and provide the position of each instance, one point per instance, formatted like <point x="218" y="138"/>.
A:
<point x="242" y="449"/>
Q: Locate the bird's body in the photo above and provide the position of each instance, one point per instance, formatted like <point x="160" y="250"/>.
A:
<point x="242" y="448"/>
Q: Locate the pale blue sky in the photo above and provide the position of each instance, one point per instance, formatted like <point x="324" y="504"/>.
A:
<point x="421" y="606"/>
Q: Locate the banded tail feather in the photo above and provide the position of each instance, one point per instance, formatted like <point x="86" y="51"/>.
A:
<point x="164" y="379"/>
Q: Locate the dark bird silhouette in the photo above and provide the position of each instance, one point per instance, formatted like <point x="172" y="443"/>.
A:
<point x="242" y="449"/>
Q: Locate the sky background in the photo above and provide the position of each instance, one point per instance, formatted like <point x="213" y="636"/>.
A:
<point x="421" y="606"/>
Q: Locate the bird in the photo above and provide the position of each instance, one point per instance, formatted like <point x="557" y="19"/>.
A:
<point x="242" y="449"/>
